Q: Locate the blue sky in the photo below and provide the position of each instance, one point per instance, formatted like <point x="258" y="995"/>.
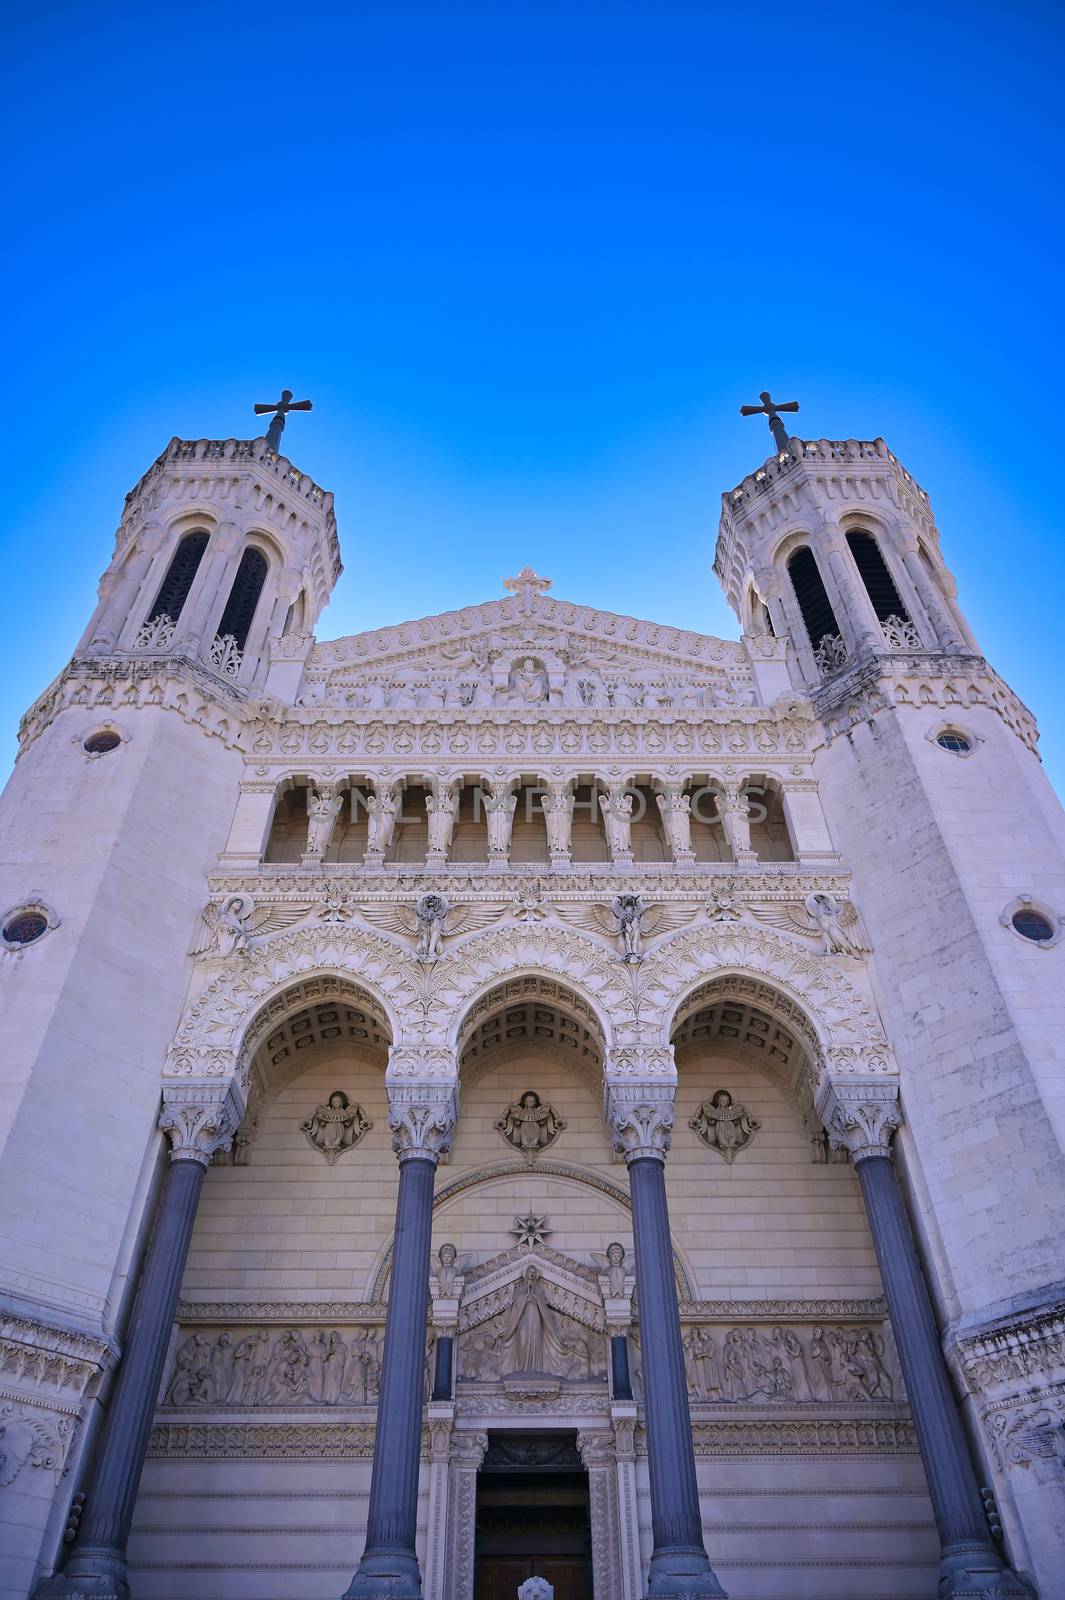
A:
<point x="528" y="261"/>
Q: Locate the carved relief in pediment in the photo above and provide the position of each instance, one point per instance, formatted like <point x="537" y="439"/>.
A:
<point x="531" y="1319"/>
<point x="529" y="665"/>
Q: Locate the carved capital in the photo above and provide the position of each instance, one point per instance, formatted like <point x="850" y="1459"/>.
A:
<point x="199" y="1121"/>
<point x="860" y="1117"/>
<point x="640" y="1116"/>
<point x="422" y="1119"/>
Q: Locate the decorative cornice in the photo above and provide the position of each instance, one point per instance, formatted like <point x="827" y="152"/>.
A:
<point x="874" y="684"/>
<point x="179" y="684"/>
<point x="46" y="1357"/>
<point x="1024" y="1349"/>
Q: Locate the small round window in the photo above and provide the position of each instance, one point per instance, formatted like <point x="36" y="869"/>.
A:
<point x="1031" y="924"/>
<point x="25" y="927"/>
<point x="98" y="744"/>
<point x="955" y="742"/>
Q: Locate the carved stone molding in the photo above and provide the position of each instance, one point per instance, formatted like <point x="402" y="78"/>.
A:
<point x="287" y="1311"/>
<point x="199" y="1121"/>
<point x="860" y="1117"/>
<point x="279" y="1441"/>
<point x="835" y="1437"/>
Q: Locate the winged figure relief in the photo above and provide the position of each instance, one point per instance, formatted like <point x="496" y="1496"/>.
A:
<point x="430" y="920"/>
<point x="628" y="921"/>
<point x="837" y="924"/>
<point x="228" y="928"/>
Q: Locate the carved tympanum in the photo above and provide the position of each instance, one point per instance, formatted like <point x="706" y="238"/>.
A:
<point x="530" y="1124"/>
<point x="724" y="1126"/>
<point x="530" y="1337"/>
<point x="336" y="1126"/>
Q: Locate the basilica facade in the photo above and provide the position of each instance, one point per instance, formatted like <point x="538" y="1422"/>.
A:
<point x="529" y="1091"/>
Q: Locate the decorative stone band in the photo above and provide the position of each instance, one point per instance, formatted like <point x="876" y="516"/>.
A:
<point x="860" y="1116"/>
<point x="640" y="1118"/>
<point x="199" y="1120"/>
<point x="426" y="1063"/>
<point x="422" y="1118"/>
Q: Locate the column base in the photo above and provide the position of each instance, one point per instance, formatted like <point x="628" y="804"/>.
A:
<point x="386" y="1575"/>
<point x="683" y="1573"/>
<point x="975" y="1573"/>
<point x="90" y="1574"/>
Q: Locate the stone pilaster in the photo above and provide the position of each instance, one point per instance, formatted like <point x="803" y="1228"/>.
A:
<point x="467" y="1453"/>
<point x="641" y="1119"/>
<point x="597" y="1453"/>
<point x="422" y="1117"/>
<point x="862" y="1117"/>
<point x="198" y="1121"/>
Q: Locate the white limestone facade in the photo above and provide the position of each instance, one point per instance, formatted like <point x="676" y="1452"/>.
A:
<point x="544" y="897"/>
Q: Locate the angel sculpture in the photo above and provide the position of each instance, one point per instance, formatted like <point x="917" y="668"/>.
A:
<point x="628" y="921"/>
<point x="430" y="920"/>
<point x="530" y="1125"/>
<point x="336" y="1126"/>
<point x="229" y="928"/>
<point x="450" y="1267"/>
<point x="612" y="1266"/>
<point x="723" y="1126"/>
<point x="838" y="924"/>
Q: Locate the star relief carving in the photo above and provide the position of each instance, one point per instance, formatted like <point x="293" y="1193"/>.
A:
<point x="531" y="1229"/>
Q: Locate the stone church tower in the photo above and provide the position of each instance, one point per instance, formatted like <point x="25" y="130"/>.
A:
<point x="530" y="1091"/>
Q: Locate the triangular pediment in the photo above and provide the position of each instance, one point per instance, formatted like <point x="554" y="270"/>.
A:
<point x="529" y="648"/>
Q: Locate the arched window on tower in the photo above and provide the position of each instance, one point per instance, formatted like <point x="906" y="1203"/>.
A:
<point x="810" y="592"/>
<point x="174" y="590"/>
<point x="879" y="584"/>
<point x="243" y="598"/>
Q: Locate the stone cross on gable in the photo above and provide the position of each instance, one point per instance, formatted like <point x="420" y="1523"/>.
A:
<point x="528" y="585"/>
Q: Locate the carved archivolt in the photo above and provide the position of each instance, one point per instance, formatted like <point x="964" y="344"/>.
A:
<point x="633" y="1005"/>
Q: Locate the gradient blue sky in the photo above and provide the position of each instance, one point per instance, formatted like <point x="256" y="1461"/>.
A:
<point x="528" y="261"/>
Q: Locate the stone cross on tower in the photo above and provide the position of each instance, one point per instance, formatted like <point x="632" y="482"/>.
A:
<point x="772" y="412"/>
<point x="282" y="408"/>
<point x="528" y="585"/>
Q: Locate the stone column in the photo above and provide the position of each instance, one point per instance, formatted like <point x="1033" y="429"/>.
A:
<point x="948" y="635"/>
<point x="641" y="1118"/>
<point x="197" y="1125"/>
<point x="421" y="1117"/>
<point x="861" y="1117"/>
